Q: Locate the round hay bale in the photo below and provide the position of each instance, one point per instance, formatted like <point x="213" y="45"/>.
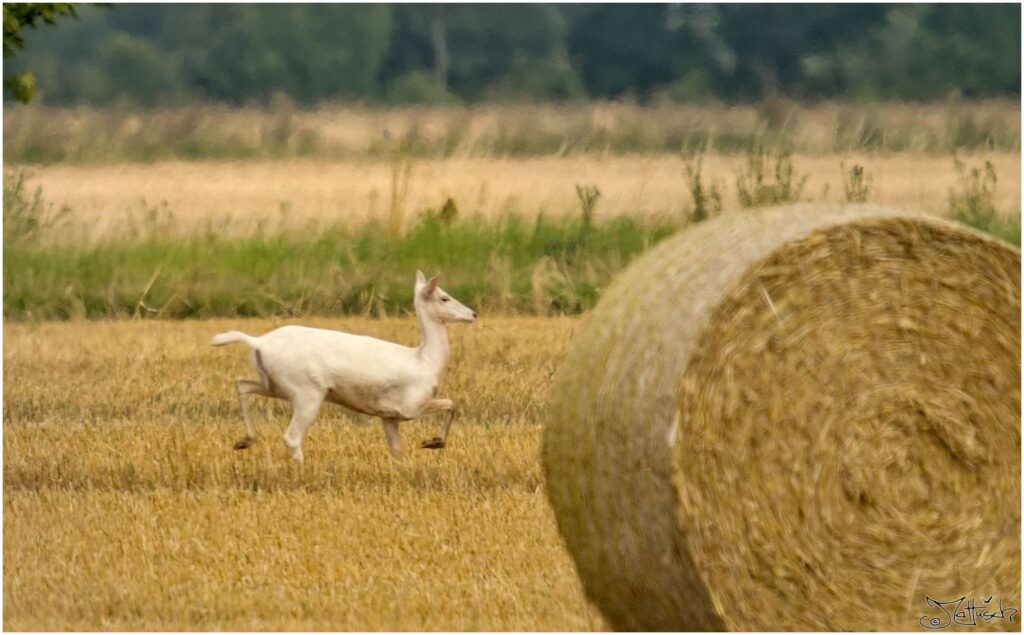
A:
<point x="800" y="418"/>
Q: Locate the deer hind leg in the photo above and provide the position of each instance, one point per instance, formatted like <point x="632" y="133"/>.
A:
<point x="393" y="436"/>
<point x="246" y="387"/>
<point x="439" y="405"/>
<point x="305" y="408"/>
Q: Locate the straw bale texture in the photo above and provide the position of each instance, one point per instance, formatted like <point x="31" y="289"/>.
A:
<point x="801" y="418"/>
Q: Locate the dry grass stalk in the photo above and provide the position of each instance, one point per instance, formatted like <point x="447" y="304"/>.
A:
<point x="780" y="418"/>
<point x="332" y="131"/>
<point x="401" y="179"/>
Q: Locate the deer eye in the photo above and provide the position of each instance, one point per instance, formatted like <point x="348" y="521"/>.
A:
<point x="445" y="299"/>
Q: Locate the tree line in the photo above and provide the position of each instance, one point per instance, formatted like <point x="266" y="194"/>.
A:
<point x="461" y="53"/>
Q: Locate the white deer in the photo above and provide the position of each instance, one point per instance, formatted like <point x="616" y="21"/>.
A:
<point x="308" y="366"/>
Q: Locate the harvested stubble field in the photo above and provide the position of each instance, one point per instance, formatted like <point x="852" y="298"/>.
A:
<point x="237" y="197"/>
<point x="126" y="508"/>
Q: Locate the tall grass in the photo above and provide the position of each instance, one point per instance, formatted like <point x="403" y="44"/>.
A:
<point x="37" y="134"/>
<point x="507" y="264"/>
<point x="27" y="217"/>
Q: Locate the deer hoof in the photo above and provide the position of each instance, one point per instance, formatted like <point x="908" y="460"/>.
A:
<point x="244" y="443"/>
<point x="433" y="444"/>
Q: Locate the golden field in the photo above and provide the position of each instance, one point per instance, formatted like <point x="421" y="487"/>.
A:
<point x="236" y="197"/>
<point x="126" y="508"/>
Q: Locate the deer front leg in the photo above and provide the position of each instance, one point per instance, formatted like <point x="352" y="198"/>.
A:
<point x="439" y="405"/>
<point x="305" y="408"/>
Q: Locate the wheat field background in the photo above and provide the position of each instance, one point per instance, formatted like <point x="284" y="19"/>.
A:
<point x="238" y="196"/>
<point x="126" y="508"/>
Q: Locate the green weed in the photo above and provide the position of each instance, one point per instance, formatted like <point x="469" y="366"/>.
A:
<point x="973" y="203"/>
<point x="856" y="184"/>
<point x="26" y="217"/>
<point x="754" y="186"/>
<point x="707" y="201"/>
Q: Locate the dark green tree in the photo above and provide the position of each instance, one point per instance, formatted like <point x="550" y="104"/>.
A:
<point x="18" y="15"/>
<point x="479" y="51"/>
<point x="621" y="48"/>
<point x="771" y="43"/>
<point x="928" y="51"/>
<point x="240" y="52"/>
<point x="416" y="67"/>
<point x="429" y="53"/>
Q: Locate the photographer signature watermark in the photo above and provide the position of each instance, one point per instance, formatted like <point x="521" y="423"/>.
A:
<point x="964" y="612"/>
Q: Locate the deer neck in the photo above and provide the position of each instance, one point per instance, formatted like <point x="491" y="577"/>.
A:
<point x="434" y="348"/>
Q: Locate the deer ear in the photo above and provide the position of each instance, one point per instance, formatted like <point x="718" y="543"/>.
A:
<point x="420" y="278"/>
<point x="430" y="287"/>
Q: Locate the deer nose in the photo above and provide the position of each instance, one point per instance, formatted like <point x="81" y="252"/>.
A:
<point x="474" y="315"/>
